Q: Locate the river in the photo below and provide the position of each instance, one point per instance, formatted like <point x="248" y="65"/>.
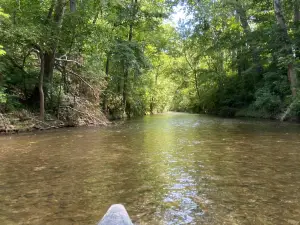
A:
<point x="166" y="169"/>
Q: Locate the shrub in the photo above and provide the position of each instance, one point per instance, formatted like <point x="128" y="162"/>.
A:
<point x="267" y="100"/>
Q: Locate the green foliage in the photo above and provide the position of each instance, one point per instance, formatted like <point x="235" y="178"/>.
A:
<point x="75" y="48"/>
<point x="2" y="52"/>
<point x="296" y="109"/>
<point x="3" y="14"/>
<point x="237" y="58"/>
<point x="267" y="100"/>
<point x="13" y="103"/>
<point x="226" y="57"/>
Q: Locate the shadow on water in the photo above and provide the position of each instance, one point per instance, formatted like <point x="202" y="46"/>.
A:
<point x="166" y="169"/>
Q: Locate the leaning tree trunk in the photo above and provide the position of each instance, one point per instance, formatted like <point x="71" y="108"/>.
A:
<point x="292" y="75"/>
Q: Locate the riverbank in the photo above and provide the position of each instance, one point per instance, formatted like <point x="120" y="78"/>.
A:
<point x="83" y="114"/>
<point x="25" y="121"/>
<point x="290" y="115"/>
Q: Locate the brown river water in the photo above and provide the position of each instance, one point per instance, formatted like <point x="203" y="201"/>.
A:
<point x="166" y="169"/>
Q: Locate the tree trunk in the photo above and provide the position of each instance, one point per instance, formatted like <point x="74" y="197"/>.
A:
<point x="152" y="105"/>
<point x="237" y="54"/>
<point x="297" y="26"/>
<point x="59" y="12"/>
<point x="126" y="72"/>
<point x="106" y="79"/>
<point x="73" y="5"/>
<point x="50" y="11"/>
<point x="194" y="71"/>
<point x="280" y="18"/>
<point x="297" y="12"/>
<point x="246" y="27"/>
<point x="49" y="56"/>
<point x="239" y="62"/>
<point x="197" y="85"/>
<point x="49" y="66"/>
<point x="41" y="88"/>
<point x="292" y="75"/>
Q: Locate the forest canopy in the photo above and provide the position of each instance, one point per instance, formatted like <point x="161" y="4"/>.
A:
<point x="129" y="57"/>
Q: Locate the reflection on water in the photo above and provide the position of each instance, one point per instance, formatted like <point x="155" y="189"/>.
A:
<point x="166" y="169"/>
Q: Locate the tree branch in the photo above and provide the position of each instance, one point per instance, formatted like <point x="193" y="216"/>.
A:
<point x="69" y="60"/>
<point x="77" y="75"/>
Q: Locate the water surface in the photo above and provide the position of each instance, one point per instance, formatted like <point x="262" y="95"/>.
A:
<point x="166" y="169"/>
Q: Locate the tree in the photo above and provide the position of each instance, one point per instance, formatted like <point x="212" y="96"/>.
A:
<point x="226" y="57"/>
<point x="288" y="46"/>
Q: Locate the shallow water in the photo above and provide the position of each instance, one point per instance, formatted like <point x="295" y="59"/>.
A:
<point x="166" y="169"/>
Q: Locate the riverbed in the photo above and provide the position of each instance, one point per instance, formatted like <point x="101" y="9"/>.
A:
<point x="170" y="168"/>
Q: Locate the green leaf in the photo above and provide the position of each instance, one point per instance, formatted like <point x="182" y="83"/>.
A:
<point x="2" y="52"/>
<point x="2" y="14"/>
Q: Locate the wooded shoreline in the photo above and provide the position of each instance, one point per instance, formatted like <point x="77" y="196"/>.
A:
<point x="20" y="123"/>
<point x="24" y="121"/>
<point x="74" y="61"/>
